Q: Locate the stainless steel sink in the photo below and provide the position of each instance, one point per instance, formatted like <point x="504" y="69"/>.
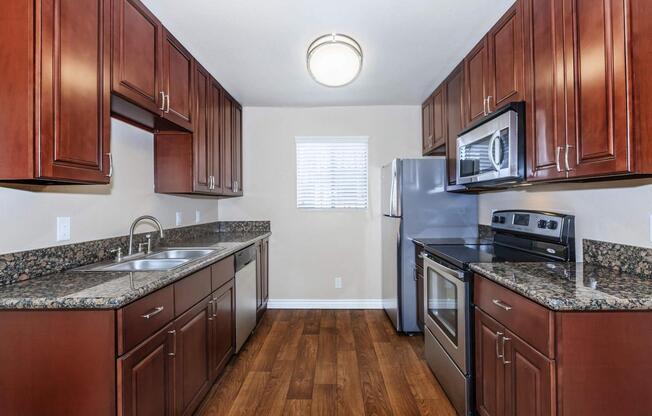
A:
<point x="181" y="254"/>
<point x="144" y="265"/>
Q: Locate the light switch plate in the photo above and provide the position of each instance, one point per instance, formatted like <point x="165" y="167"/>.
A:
<point x="197" y="216"/>
<point x="63" y="228"/>
<point x="179" y="219"/>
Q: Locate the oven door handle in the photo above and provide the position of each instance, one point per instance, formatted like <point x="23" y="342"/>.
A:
<point x="443" y="270"/>
<point x="492" y="145"/>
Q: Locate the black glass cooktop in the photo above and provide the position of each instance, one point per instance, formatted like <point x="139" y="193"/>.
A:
<point x="461" y="255"/>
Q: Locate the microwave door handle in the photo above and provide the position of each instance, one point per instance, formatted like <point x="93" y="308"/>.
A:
<point x="443" y="270"/>
<point x="492" y="144"/>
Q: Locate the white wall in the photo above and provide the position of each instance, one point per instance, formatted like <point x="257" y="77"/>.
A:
<point x="28" y="213"/>
<point x="616" y="211"/>
<point x="309" y="249"/>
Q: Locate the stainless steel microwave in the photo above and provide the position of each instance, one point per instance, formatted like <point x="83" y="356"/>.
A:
<point x="492" y="151"/>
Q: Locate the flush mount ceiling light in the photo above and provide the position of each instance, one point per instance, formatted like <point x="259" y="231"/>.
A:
<point x="334" y="60"/>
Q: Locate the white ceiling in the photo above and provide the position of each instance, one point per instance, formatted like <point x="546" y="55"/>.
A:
<point x="256" y="48"/>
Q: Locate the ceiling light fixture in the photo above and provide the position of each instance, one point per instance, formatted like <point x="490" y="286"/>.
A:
<point x="334" y="60"/>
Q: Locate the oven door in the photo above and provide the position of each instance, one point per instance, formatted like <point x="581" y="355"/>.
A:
<point x="446" y="304"/>
<point x="489" y="152"/>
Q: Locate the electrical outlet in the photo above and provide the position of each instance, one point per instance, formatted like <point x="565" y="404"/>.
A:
<point x="63" y="228"/>
<point x="338" y="283"/>
<point x="197" y="216"/>
<point x="179" y="219"/>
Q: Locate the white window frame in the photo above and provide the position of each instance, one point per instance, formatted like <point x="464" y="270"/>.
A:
<point x="317" y="139"/>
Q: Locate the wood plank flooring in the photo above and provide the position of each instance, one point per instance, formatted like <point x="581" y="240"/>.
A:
<point x="328" y="362"/>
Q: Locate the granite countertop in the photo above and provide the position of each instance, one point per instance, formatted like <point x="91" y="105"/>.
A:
<point x="112" y="290"/>
<point x="572" y="286"/>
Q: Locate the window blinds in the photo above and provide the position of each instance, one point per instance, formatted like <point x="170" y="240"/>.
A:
<point x="332" y="172"/>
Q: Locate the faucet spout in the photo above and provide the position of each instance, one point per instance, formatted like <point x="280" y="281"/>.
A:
<point x="135" y="223"/>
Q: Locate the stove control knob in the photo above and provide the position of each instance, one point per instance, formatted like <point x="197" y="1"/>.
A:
<point x="552" y="225"/>
<point x="501" y="219"/>
<point x="495" y="219"/>
<point x="542" y="223"/>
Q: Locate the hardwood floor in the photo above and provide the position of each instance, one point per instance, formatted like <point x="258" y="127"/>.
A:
<point x="328" y="362"/>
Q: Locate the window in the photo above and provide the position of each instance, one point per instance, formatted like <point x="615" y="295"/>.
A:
<point x="332" y="172"/>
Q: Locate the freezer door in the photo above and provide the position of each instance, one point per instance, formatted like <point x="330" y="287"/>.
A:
<point x="391" y="248"/>
<point x="391" y="189"/>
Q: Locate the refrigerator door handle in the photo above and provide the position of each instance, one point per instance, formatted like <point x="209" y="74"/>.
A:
<point x="394" y="193"/>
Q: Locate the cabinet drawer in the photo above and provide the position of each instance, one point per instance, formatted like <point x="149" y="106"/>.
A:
<point x="140" y="319"/>
<point x="528" y="320"/>
<point x="191" y="289"/>
<point x="222" y="272"/>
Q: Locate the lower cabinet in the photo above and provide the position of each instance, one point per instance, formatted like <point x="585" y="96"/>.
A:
<point x="222" y="328"/>
<point x="145" y="376"/>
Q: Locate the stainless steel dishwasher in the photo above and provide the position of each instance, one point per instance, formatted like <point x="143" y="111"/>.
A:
<point x="245" y="295"/>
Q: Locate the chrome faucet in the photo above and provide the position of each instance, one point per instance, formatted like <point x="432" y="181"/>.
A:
<point x="133" y="227"/>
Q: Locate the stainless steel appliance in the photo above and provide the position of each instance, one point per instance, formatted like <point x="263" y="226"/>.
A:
<point x="519" y="236"/>
<point x="492" y="151"/>
<point x="415" y="204"/>
<point x="245" y="295"/>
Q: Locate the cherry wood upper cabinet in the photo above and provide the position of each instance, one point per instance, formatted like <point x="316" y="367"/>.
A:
<point x="454" y="118"/>
<point x="599" y="108"/>
<point x="544" y="93"/>
<point x="237" y="149"/>
<point x="505" y="59"/>
<point x="216" y="121"/>
<point x="475" y="82"/>
<point x="137" y="55"/>
<point x="56" y="123"/>
<point x="438" y="118"/>
<point x="227" y="144"/>
<point x="177" y="82"/>
<point x="202" y="146"/>
<point x="426" y="125"/>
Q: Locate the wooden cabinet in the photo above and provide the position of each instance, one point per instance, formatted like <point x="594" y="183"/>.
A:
<point x="202" y="138"/>
<point x="137" y="55"/>
<point x="262" y="277"/>
<point x="237" y="149"/>
<point x="146" y="377"/>
<point x="215" y="135"/>
<point x="489" y="370"/>
<point x="56" y="124"/>
<point x="475" y="82"/>
<point x="426" y="125"/>
<point x="454" y="110"/>
<point x="438" y="118"/>
<point x="178" y="72"/>
<point x="223" y="327"/>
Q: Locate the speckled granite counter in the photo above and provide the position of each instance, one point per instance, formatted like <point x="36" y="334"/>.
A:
<point x="572" y="286"/>
<point x="102" y="290"/>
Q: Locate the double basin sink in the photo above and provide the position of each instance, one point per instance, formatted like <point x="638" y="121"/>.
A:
<point x="164" y="260"/>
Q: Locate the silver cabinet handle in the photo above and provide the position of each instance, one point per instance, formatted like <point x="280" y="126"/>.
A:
<point x="484" y="106"/>
<point x="503" y="339"/>
<point x="557" y="162"/>
<point x="568" y="146"/>
<point x="498" y="336"/>
<point x="489" y="104"/>
<point x="174" y="343"/>
<point x="211" y="314"/>
<point x="162" y="108"/>
<point x="501" y="304"/>
<point x="110" y="175"/>
<point x="153" y="312"/>
<point x="215" y="307"/>
<point x="167" y="107"/>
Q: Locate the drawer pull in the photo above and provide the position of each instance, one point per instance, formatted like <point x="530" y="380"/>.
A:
<point x="153" y="312"/>
<point x="501" y="304"/>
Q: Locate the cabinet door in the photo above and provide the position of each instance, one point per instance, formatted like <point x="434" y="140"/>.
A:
<point x="74" y="139"/>
<point x="265" y="271"/>
<point x="475" y="70"/>
<point x="506" y="54"/>
<point x="202" y="146"/>
<point x="145" y="377"/>
<point x="454" y="119"/>
<point x="438" y="118"/>
<point x="178" y="78"/>
<point x="223" y="324"/>
<point x="215" y="135"/>
<point x="595" y="47"/>
<point x="237" y="149"/>
<point x="227" y="144"/>
<point x="489" y="385"/>
<point x="136" y="61"/>
<point x="418" y="274"/>
<point x="192" y="367"/>
<point x="544" y="92"/>
<point x="529" y="380"/>
<point x="259" y="275"/>
<point x="426" y="125"/>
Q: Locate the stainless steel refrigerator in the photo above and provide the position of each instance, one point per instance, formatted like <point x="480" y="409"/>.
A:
<point x="416" y="204"/>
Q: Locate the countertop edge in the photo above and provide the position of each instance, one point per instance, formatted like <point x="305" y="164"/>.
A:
<point x="103" y="303"/>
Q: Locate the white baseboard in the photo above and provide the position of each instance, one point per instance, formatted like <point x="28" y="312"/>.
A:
<point x="325" y="304"/>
